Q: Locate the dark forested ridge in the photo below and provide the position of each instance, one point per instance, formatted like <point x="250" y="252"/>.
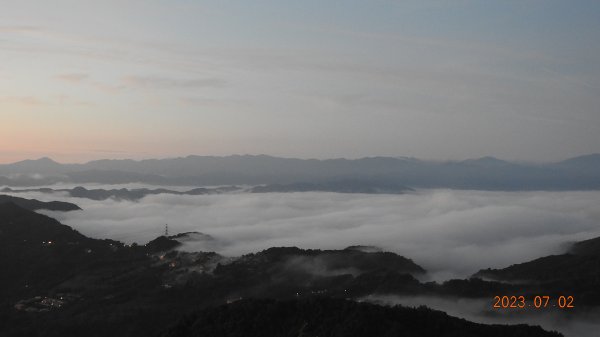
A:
<point x="334" y="318"/>
<point x="575" y="273"/>
<point x="57" y="282"/>
<point x="32" y="204"/>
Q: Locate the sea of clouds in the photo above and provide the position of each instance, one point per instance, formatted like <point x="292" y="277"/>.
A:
<point x="450" y="233"/>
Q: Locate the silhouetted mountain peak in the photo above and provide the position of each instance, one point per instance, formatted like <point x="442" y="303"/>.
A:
<point x="191" y="236"/>
<point x="487" y="160"/>
<point x="33" y="204"/>
<point x="44" y="161"/>
<point x="364" y="249"/>
<point x="18" y="224"/>
<point x="162" y="243"/>
<point x="588" y="159"/>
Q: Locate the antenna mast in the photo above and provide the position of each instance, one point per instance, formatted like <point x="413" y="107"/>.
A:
<point x="166" y="229"/>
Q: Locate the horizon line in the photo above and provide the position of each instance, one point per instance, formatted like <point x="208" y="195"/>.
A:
<point x="487" y="157"/>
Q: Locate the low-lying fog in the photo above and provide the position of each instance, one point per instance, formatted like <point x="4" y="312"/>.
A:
<point x="450" y="233"/>
<point x="569" y="323"/>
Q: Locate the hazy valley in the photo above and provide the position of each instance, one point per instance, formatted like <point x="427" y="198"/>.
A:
<point x="308" y="243"/>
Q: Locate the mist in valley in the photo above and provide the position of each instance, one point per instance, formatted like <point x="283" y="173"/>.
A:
<point x="566" y="321"/>
<point x="450" y="233"/>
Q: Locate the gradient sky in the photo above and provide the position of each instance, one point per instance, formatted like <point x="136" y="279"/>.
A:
<point x="82" y="80"/>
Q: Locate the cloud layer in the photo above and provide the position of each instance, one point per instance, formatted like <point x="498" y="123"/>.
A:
<point x="450" y="233"/>
<point x="581" y="324"/>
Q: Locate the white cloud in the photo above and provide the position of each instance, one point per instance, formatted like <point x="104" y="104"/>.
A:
<point x="481" y="311"/>
<point x="450" y="233"/>
<point x="73" y="77"/>
<point x="166" y="82"/>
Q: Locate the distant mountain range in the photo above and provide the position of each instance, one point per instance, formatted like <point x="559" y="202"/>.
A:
<point x="122" y="193"/>
<point x="487" y="173"/>
<point x="338" y="186"/>
<point x="33" y="205"/>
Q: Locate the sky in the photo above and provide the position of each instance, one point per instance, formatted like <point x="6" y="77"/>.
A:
<point x="82" y="80"/>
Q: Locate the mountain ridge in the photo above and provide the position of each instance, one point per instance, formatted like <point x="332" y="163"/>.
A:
<point x="33" y="204"/>
<point x="485" y="173"/>
<point x="45" y="159"/>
